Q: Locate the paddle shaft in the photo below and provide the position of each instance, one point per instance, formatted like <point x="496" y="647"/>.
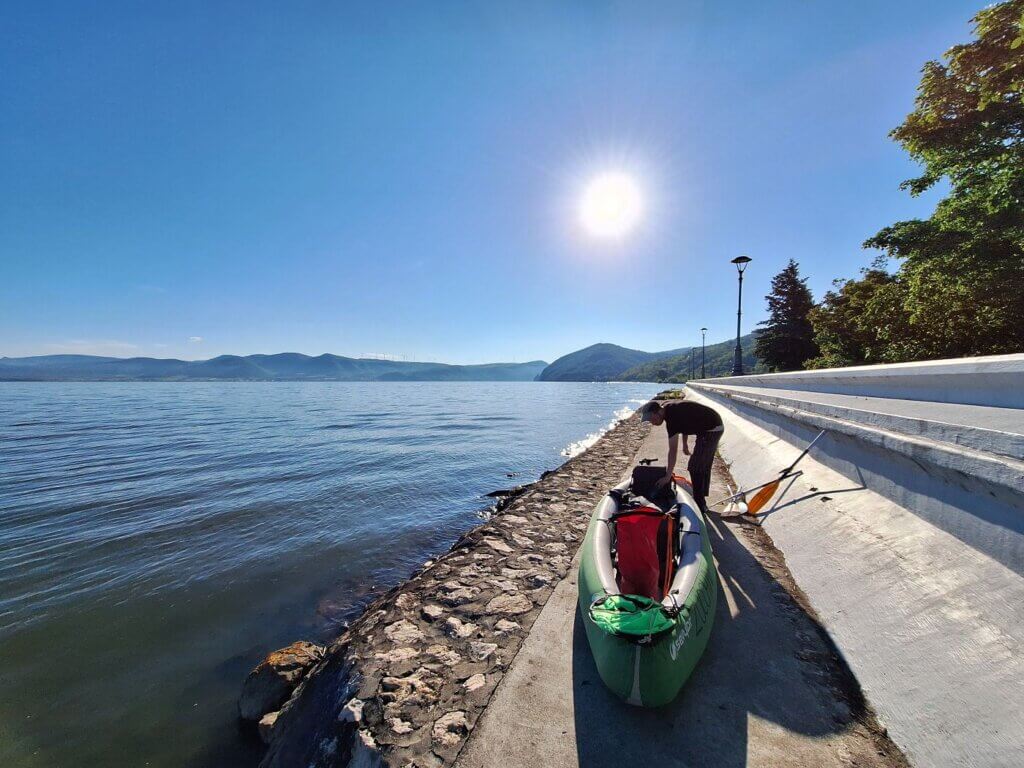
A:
<point x="787" y="472"/>
<point x="739" y="494"/>
<point x="789" y="469"/>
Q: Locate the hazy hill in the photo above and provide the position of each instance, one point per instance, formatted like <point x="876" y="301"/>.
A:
<point x="288" y="366"/>
<point x="676" y="367"/>
<point x="598" y="362"/>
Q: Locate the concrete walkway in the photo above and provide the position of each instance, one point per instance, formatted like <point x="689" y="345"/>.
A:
<point x="770" y="690"/>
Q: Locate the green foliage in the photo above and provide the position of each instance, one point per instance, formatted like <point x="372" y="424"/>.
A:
<point x="962" y="270"/>
<point x="861" y="322"/>
<point x="676" y="369"/>
<point x="786" y="339"/>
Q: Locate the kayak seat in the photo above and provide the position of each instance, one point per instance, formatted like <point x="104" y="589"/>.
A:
<point x="645" y="551"/>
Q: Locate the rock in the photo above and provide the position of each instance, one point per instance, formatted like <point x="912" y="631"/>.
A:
<point x="509" y="604"/>
<point x="454" y="594"/>
<point x="405" y="601"/>
<point x="444" y="654"/>
<point x="351" y="712"/>
<point x="396" y="655"/>
<point x="432" y="612"/>
<point x="554" y="547"/>
<point x="454" y="627"/>
<point x="531" y="558"/>
<point x="504" y="627"/>
<point x="470" y="572"/>
<point x="497" y="545"/>
<point x="418" y="689"/>
<point x="270" y="684"/>
<point x="504" y="585"/>
<point x="475" y="682"/>
<point x="403" y="631"/>
<point x="266" y="726"/>
<point x="522" y="541"/>
<point x="515" y="519"/>
<point x="399" y="726"/>
<point x="539" y="578"/>
<point x="449" y="729"/>
<point x="479" y="650"/>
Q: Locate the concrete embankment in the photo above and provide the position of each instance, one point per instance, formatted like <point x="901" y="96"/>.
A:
<point x="407" y="682"/>
<point x="906" y="532"/>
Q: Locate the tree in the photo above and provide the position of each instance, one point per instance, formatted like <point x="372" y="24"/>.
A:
<point x="862" y="322"/>
<point x="786" y="339"/>
<point x="961" y="271"/>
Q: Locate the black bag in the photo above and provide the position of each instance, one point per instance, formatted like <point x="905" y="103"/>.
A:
<point x="644" y="481"/>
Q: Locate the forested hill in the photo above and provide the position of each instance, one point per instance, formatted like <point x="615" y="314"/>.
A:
<point x="676" y="368"/>
<point x="287" y="366"/>
<point x="610" y="362"/>
<point x="598" y="362"/>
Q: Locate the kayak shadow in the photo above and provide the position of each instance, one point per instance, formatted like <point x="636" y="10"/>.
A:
<point x="769" y="665"/>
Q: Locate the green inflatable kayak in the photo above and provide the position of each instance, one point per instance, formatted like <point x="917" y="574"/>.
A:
<point x="647" y="592"/>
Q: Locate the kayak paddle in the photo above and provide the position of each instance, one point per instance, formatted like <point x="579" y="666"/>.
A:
<point x="765" y="491"/>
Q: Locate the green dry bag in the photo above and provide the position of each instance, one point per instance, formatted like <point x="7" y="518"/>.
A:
<point x="630" y="616"/>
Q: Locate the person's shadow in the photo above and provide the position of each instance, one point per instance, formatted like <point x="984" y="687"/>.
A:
<point x="767" y="659"/>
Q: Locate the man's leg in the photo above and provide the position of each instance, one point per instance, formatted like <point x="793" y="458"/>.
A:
<point x="700" y="465"/>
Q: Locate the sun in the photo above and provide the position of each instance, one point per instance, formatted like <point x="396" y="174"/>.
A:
<point x="611" y="205"/>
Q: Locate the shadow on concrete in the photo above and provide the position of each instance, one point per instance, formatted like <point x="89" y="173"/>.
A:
<point x="781" y="502"/>
<point x="769" y="664"/>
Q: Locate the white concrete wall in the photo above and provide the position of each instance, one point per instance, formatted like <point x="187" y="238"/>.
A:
<point x="994" y="380"/>
<point x="906" y="534"/>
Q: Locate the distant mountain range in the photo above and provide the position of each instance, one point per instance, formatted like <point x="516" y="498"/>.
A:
<point x="287" y="366"/>
<point x="610" y="362"/>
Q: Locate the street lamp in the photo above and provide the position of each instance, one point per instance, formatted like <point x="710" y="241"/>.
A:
<point x="737" y="363"/>
<point x="703" y="339"/>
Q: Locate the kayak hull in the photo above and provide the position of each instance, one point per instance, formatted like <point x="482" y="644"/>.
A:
<point x="651" y="674"/>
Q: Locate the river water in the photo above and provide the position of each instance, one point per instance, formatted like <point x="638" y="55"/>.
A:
<point x="156" y="540"/>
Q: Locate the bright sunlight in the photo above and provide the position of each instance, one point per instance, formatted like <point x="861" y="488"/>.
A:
<point x="611" y="205"/>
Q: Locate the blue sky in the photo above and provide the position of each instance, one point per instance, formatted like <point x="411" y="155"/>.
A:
<point x="195" y="178"/>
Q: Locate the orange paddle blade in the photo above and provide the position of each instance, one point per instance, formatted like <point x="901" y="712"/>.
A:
<point x="762" y="497"/>
<point x="683" y="480"/>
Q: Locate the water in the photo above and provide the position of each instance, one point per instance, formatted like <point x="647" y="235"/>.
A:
<point x="156" y="540"/>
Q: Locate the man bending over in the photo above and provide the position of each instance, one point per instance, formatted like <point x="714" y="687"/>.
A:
<point x="683" y="417"/>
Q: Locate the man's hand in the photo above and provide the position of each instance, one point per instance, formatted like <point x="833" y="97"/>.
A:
<point x="663" y="481"/>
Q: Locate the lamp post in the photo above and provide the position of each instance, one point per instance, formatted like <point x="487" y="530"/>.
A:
<point x="737" y="363"/>
<point x="703" y="340"/>
<point x="693" y="357"/>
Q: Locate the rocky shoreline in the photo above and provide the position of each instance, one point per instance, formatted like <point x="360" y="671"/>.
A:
<point x="406" y="683"/>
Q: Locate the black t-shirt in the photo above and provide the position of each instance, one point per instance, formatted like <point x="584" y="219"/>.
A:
<point x="688" y="418"/>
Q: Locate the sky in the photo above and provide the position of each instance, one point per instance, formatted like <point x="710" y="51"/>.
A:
<point x="190" y="179"/>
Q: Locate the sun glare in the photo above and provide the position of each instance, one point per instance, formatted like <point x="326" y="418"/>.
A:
<point x="611" y="205"/>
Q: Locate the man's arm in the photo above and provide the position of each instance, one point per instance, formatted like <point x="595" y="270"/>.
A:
<point x="686" y="445"/>
<point x="673" y="451"/>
